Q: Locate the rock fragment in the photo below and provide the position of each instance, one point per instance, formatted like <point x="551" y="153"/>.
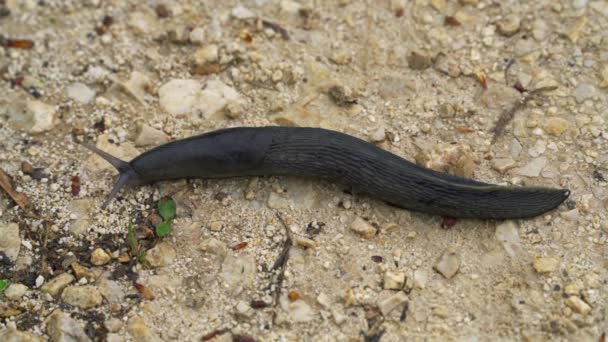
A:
<point x="545" y="264"/>
<point x="363" y="228"/>
<point x="32" y="116"/>
<point x="61" y="327"/>
<point x="84" y="297"/>
<point x="10" y="243"/>
<point x="80" y="92"/>
<point x="100" y="257"/>
<point x="161" y="255"/>
<point x="578" y="305"/>
<point x="390" y="303"/>
<point x="448" y="263"/>
<point x="15" y="291"/>
<point x="57" y="284"/>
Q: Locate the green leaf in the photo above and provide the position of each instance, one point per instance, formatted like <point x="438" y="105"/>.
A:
<point x="166" y="208"/>
<point x="132" y="240"/>
<point x="3" y="285"/>
<point x="164" y="229"/>
<point x="142" y="257"/>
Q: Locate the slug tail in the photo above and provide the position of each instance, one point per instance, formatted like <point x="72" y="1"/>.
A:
<point x="127" y="178"/>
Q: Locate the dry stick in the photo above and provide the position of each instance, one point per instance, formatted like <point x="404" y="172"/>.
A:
<point x="507" y="116"/>
<point x="281" y="261"/>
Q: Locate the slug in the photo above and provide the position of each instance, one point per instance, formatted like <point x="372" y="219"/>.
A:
<point x="315" y="152"/>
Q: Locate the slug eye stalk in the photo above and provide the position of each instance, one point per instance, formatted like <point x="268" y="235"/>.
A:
<point x="127" y="176"/>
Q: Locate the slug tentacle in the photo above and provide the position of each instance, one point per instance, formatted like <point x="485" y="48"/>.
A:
<point x="127" y="178"/>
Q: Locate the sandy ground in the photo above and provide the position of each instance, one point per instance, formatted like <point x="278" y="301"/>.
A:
<point x="510" y="92"/>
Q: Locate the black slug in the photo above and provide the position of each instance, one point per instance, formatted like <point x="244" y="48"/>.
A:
<point x="316" y="152"/>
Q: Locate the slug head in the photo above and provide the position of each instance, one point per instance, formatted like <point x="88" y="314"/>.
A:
<point x="127" y="178"/>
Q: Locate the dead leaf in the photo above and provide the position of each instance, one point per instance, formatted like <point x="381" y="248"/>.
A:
<point x="144" y="291"/>
<point x="22" y="201"/>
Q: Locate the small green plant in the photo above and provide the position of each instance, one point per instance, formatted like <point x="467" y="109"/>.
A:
<point x="3" y="286"/>
<point x="132" y="240"/>
<point x="166" y="209"/>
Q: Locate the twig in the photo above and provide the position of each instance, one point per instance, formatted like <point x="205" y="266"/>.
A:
<point x="507" y="116"/>
<point x="281" y="261"/>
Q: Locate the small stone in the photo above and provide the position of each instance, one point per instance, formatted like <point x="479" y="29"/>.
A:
<point x="448" y="263"/>
<point x="363" y="228"/>
<point x="390" y="303"/>
<point x="39" y="281"/>
<point x="338" y="316"/>
<point x="342" y="95"/>
<point x="324" y="300"/>
<point x="446" y="110"/>
<point x="277" y="201"/>
<point x="299" y="311"/>
<point x="137" y="85"/>
<point x="570" y="215"/>
<point x="111" y="291"/>
<point x="420" y="278"/>
<point x="578" y="305"/>
<point x="419" y="61"/>
<point x="57" y="284"/>
<point x="81" y="271"/>
<point x="579" y="3"/>
<point x="197" y="36"/>
<point x="508" y="235"/>
<point x="84" y="297"/>
<point x="12" y="335"/>
<point x="509" y="25"/>
<point x="100" y="257"/>
<point x="81" y="209"/>
<point x="441" y="311"/>
<point x="502" y="165"/>
<point x="574" y="289"/>
<point x="140" y="332"/>
<point x="539" y="148"/>
<point x="583" y="91"/>
<point x="575" y="30"/>
<point x="556" y="126"/>
<point x="545" y="264"/>
<point x="144" y="23"/>
<point x="15" y="291"/>
<point x="61" y="327"/>
<point x="216" y="226"/>
<point x="79" y="92"/>
<point x="379" y="135"/>
<point x="242" y="13"/>
<point x="32" y="116"/>
<point x="113" y="324"/>
<point x="447" y="65"/>
<point x="179" y="96"/>
<point x="439" y="5"/>
<point x="243" y="309"/>
<point x="216" y="96"/>
<point x="161" y="255"/>
<point x="532" y="168"/>
<point x="214" y="246"/>
<point x="305" y="242"/>
<point x="147" y="136"/>
<point x="10" y="243"/>
<point x="206" y="60"/>
<point x="394" y="280"/>
<point x="179" y="35"/>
